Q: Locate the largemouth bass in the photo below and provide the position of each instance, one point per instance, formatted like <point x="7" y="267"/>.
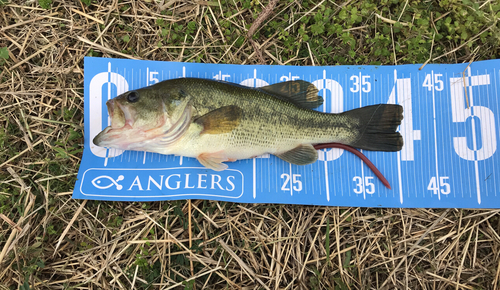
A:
<point x="217" y="122"/>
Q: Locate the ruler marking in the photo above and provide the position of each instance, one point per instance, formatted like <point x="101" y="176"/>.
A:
<point x="450" y="151"/>
<point x="450" y="129"/>
<point x="420" y="126"/>
<point x="303" y="172"/>
<point x="496" y="95"/>
<point x="428" y="145"/>
<point x="394" y="98"/>
<point x="262" y="170"/>
<point x="474" y="137"/>
<point x="277" y="167"/>
<point x="310" y="177"/>
<point x="400" y="175"/>
<point x="109" y="119"/>
<point x="327" y="184"/>
<point x="383" y="166"/>
<point x="469" y="164"/>
<point x="346" y="85"/>
<point x="340" y="161"/>
<point x="268" y="174"/>
<point x="382" y="90"/>
<point x="401" y="99"/>
<point x="327" y="181"/>
<point x="353" y="106"/>
<point x="398" y="155"/>
<point x="408" y="96"/>
<point x="458" y="131"/>
<point x="181" y="159"/>
<point x="281" y="169"/>
<point x="483" y="89"/>
<point x="435" y="134"/>
<point x="254" y="181"/>
<point x="362" y="168"/>
<point x="443" y="150"/>
<point x="476" y="170"/>
<point x="492" y="141"/>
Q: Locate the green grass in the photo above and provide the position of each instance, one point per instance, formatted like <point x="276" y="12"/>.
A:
<point x="352" y="34"/>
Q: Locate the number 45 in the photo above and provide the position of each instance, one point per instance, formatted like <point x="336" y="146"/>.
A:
<point x="443" y="184"/>
<point x="437" y="83"/>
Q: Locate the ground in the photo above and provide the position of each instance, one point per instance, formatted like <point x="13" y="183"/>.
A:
<point x="51" y="241"/>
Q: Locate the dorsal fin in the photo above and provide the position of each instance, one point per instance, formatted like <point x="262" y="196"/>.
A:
<point x="301" y="93"/>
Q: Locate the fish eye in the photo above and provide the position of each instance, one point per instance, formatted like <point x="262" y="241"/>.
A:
<point x="133" y="97"/>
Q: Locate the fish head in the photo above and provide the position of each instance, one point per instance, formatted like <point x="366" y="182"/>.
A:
<point x="139" y="117"/>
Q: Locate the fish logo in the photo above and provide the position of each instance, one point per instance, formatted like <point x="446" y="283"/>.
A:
<point x="98" y="180"/>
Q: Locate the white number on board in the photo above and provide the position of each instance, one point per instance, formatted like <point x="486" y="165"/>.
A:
<point x="460" y="113"/>
<point x="152" y="77"/>
<point x="369" y="186"/>
<point x="437" y="83"/>
<point x="402" y="90"/>
<point x="296" y="182"/>
<point x="361" y="83"/>
<point x="221" y="77"/>
<point x="289" y="78"/>
<point x="443" y="186"/>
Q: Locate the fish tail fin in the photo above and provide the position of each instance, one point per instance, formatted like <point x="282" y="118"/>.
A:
<point x="378" y="125"/>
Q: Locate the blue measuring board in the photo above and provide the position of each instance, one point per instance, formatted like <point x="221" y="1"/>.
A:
<point x="449" y="159"/>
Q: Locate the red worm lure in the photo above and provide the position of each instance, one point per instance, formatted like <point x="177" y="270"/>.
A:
<point x="360" y="155"/>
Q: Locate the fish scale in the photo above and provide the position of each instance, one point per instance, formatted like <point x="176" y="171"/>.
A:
<point x="267" y="122"/>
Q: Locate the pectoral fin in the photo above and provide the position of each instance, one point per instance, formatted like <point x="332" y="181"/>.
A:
<point x="300" y="155"/>
<point x="214" y="160"/>
<point x="222" y="120"/>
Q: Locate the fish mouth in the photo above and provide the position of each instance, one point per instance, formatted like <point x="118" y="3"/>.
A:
<point x="121" y="120"/>
<point x="120" y="116"/>
<point x="128" y="131"/>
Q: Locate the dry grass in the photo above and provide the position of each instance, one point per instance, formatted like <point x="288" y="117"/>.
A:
<point x="50" y="241"/>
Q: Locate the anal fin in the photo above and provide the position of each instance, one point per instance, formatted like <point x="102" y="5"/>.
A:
<point x="300" y="155"/>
